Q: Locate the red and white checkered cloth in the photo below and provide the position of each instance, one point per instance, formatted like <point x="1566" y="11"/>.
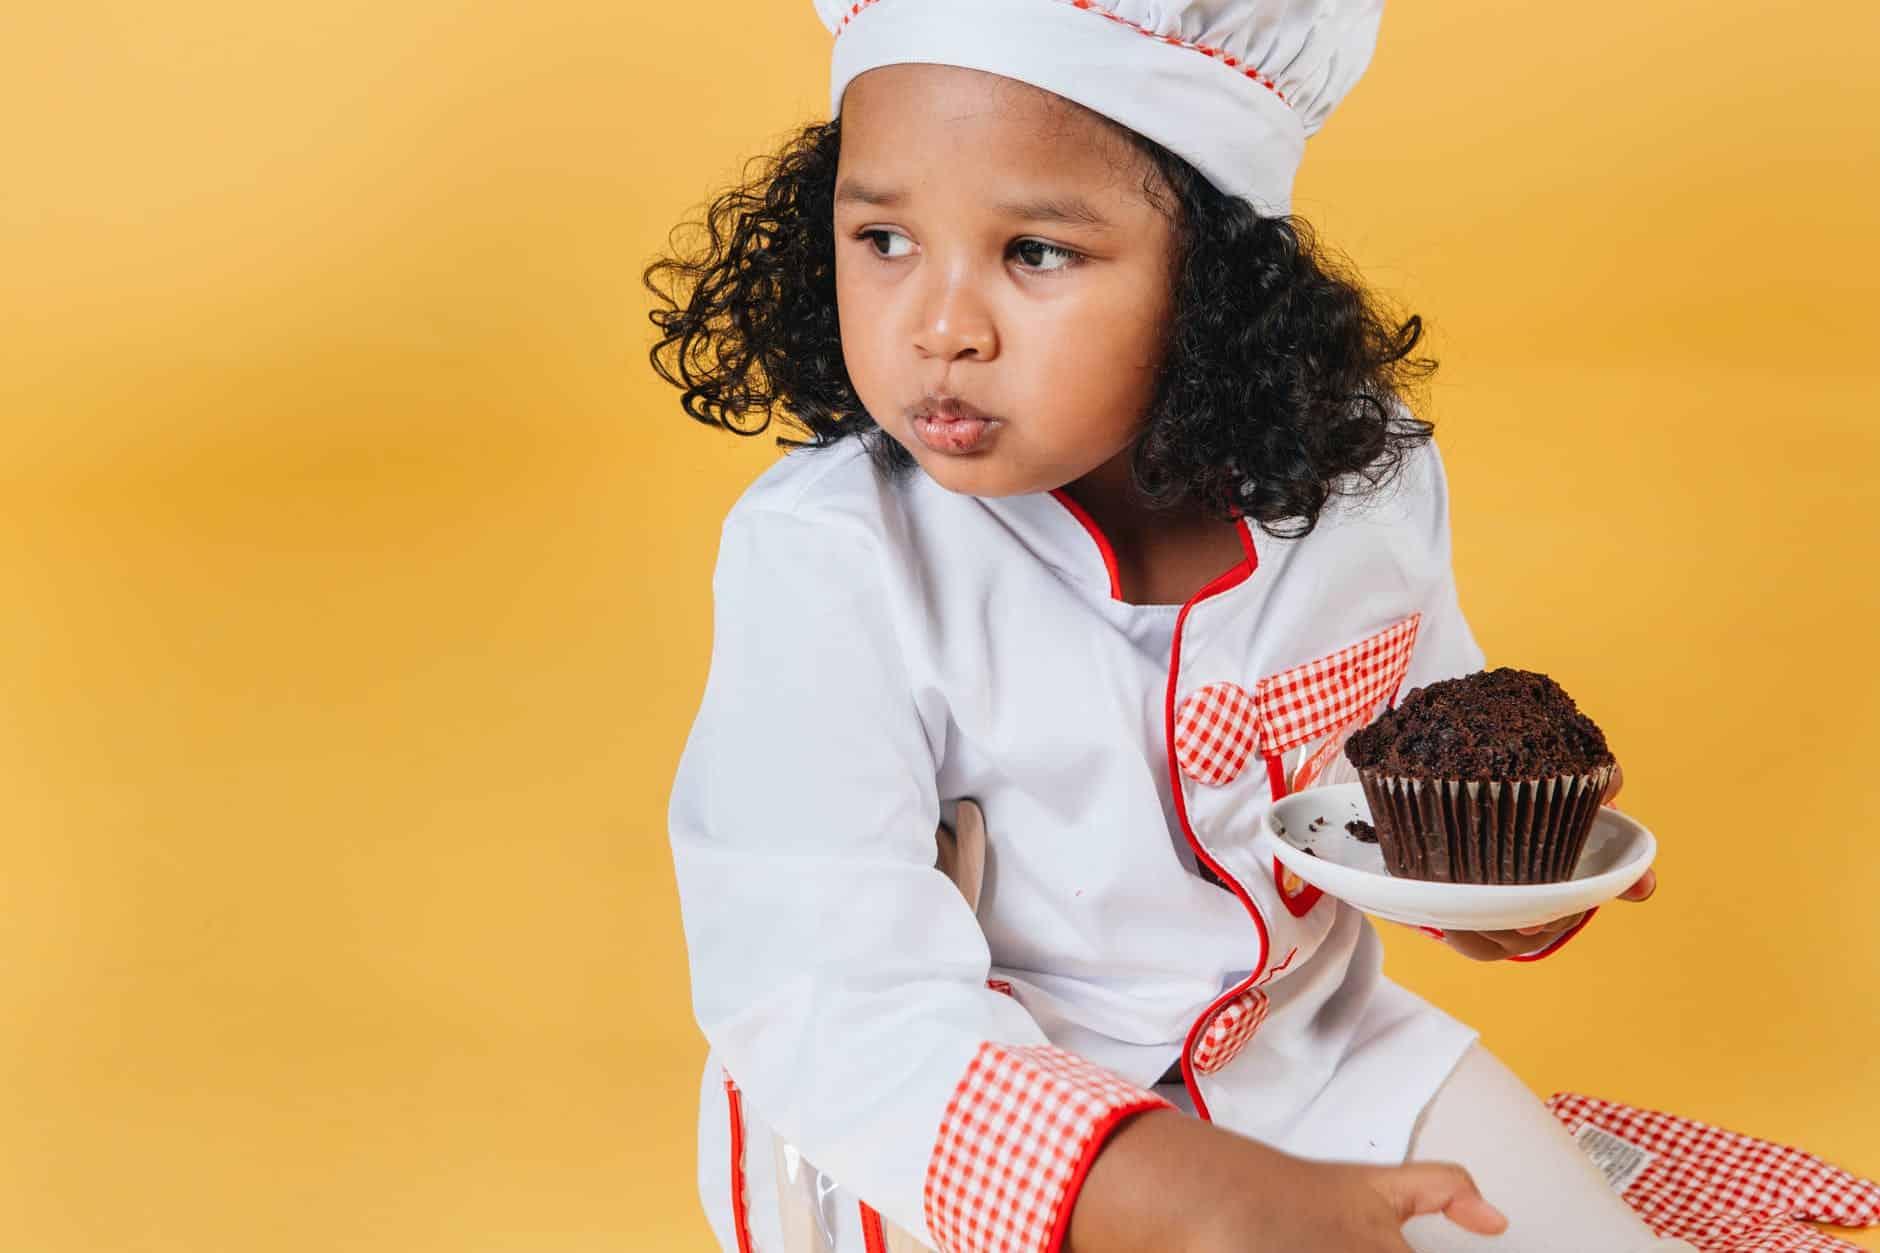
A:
<point x="1722" y="1191"/>
<point x="1215" y="733"/>
<point x="1016" y="1141"/>
<point x="1299" y="705"/>
<point x="1228" y="1031"/>
<point x="1219" y="726"/>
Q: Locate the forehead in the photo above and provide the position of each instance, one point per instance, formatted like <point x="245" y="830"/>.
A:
<point x="925" y="120"/>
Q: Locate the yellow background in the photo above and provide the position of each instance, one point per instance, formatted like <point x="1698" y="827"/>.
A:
<point x="355" y="578"/>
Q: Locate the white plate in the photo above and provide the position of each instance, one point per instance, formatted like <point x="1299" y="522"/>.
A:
<point x="1618" y="852"/>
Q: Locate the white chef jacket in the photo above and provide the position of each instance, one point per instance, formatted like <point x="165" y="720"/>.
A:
<point x="883" y="649"/>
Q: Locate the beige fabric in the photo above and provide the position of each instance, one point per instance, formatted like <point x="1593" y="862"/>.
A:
<point x="899" y="1241"/>
<point x="963" y="853"/>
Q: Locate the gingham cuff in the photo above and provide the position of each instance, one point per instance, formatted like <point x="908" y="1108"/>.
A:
<point x="1017" y="1139"/>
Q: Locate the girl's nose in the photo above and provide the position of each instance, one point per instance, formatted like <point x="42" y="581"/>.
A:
<point x="955" y="323"/>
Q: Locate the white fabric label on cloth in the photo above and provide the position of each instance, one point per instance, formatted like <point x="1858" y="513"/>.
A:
<point x="1621" y="1161"/>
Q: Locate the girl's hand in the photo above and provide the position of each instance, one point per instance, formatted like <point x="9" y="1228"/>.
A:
<point x="1165" y="1181"/>
<point x="1496" y="945"/>
<point x="1340" y="1207"/>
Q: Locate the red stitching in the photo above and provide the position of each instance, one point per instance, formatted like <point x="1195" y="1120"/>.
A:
<point x="1093" y="7"/>
<point x="739" y="1214"/>
<point x="1268" y="977"/>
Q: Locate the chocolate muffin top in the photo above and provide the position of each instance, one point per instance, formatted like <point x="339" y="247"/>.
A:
<point x="1493" y="724"/>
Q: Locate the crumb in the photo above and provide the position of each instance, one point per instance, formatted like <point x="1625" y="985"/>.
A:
<point x="1310" y="852"/>
<point x="1362" y="830"/>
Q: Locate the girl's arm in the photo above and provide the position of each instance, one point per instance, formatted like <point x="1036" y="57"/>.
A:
<point x="1170" y="1183"/>
<point x="839" y="976"/>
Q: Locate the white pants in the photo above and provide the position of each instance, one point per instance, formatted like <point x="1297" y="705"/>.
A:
<point x="1487" y="1121"/>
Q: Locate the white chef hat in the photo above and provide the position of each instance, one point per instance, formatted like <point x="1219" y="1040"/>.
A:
<point x="1232" y="86"/>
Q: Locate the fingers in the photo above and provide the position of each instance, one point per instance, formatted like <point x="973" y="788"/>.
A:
<point x="1473" y="1213"/>
<point x="1441" y="1188"/>
<point x="1643" y="889"/>
<point x="1488" y="946"/>
<point x="1476" y="946"/>
<point x="1524" y="936"/>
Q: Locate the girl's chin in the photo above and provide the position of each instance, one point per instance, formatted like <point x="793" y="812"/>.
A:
<point x="970" y="476"/>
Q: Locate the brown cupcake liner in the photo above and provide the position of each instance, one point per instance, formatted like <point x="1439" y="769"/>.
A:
<point x="1465" y="831"/>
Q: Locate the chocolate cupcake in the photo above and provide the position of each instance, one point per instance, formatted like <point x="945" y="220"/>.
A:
<point x="1491" y="778"/>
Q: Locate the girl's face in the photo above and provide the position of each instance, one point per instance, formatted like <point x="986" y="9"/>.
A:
<point x="994" y="247"/>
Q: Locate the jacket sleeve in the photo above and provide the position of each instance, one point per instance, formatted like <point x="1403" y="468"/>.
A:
<point x="1445" y="646"/>
<point x="839" y="976"/>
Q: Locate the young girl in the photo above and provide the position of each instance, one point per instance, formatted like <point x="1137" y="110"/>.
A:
<point x="1112" y="524"/>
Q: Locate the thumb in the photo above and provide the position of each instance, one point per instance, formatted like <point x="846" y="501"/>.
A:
<point x="1440" y="1187"/>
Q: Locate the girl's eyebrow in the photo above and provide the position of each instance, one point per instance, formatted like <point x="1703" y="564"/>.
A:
<point x="1071" y="209"/>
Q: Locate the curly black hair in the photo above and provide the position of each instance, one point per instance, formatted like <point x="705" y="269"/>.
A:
<point x="1282" y="382"/>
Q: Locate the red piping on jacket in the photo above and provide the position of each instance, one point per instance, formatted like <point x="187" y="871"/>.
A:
<point x="873" y="1238"/>
<point x="1230" y="578"/>
<point x="740" y="1217"/>
<point x="1096" y="533"/>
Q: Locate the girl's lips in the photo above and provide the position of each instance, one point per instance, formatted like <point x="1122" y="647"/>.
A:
<point x="953" y="435"/>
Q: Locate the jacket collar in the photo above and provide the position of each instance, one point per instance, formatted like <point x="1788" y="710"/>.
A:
<point x="1061" y="534"/>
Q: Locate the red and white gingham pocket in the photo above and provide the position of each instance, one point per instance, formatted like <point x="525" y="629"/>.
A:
<point x="1317" y="698"/>
<point x="1228" y="1030"/>
<point x="1219" y="726"/>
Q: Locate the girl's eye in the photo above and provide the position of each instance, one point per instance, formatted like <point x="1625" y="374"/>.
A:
<point x="1028" y="248"/>
<point x="884" y="232"/>
<point x="1038" y="256"/>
